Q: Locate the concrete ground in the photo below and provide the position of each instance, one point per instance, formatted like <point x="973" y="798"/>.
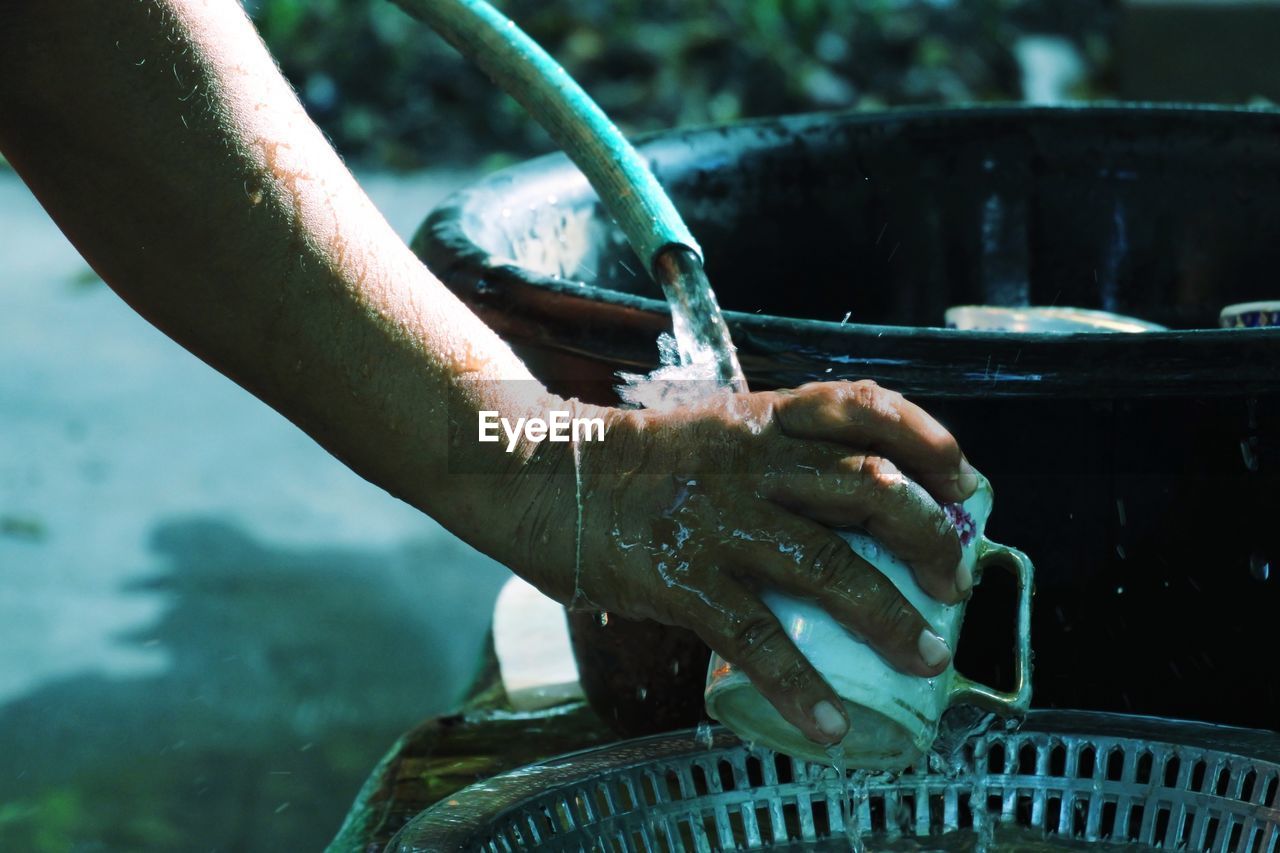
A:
<point x="210" y="629"/>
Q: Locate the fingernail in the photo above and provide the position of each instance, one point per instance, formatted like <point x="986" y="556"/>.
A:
<point x="964" y="578"/>
<point x="830" y="721"/>
<point x="934" y="650"/>
<point x="967" y="480"/>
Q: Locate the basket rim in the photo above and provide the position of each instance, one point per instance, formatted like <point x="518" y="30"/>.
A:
<point x="453" y="823"/>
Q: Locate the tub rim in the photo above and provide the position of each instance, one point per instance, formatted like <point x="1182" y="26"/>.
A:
<point x="619" y="329"/>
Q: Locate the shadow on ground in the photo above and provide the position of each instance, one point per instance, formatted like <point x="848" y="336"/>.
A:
<point x="291" y="671"/>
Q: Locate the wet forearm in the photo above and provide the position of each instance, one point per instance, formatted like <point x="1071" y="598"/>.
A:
<point x="161" y="137"/>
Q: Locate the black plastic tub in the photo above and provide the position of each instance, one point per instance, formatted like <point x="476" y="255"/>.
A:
<point x="1139" y="471"/>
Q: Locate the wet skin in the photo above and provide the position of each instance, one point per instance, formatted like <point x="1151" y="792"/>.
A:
<point x="166" y="145"/>
<point x="688" y="514"/>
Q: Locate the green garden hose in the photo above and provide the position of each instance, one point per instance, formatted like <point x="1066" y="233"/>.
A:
<point x="620" y="177"/>
<point x="526" y="72"/>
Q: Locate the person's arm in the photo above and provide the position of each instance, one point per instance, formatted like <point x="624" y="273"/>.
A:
<point x="163" y="140"/>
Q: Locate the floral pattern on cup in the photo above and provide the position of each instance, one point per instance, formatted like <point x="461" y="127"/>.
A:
<point x="962" y="521"/>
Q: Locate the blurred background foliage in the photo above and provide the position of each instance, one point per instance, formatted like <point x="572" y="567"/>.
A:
<point x="390" y="93"/>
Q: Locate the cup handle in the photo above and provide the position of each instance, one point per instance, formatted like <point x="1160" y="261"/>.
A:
<point x="1016" y="702"/>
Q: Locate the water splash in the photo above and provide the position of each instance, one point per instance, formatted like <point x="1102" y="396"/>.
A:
<point x="851" y="793"/>
<point x="984" y="826"/>
<point x="698" y="359"/>
<point x="701" y="334"/>
<point x="678" y="381"/>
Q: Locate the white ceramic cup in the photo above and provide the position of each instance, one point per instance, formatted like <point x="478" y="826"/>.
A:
<point x="893" y="716"/>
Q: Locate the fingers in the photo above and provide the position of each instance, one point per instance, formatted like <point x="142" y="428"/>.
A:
<point x="739" y="628"/>
<point x="867" y="417"/>
<point x="804" y="559"/>
<point x="870" y="492"/>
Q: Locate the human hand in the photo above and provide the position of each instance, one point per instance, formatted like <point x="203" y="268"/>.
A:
<point x="686" y="515"/>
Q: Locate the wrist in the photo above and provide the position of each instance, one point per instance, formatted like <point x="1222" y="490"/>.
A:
<point x="514" y="477"/>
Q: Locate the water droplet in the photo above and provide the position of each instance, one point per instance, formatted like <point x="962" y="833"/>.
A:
<point x="1119" y="590"/>
<point x="1249" y="452"/>
<point x="1259" y="567"/>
